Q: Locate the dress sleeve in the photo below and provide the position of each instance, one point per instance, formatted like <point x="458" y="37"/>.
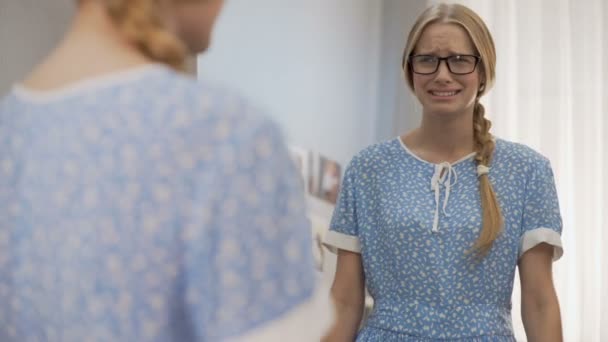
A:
<point x="249" y="270"/>
<point x="344" y="229"/>
<point x="541" y="222"/>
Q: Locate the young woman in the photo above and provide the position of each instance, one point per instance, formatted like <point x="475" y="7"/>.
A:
<point x="435" y="222"/>
<point x="137" y="204"/>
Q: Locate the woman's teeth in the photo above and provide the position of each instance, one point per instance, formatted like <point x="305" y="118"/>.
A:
<point x="444" y="93"/>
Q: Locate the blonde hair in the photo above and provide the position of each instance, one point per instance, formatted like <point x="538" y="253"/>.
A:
<point x="141" y="22"/>
<point x="492" y="219"/>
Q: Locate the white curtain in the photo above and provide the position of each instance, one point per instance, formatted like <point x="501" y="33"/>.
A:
<point x="551" y="94"/>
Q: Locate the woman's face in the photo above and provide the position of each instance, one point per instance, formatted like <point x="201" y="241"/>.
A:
<point x="193" y="21"/>
<point x="442" y="92"/>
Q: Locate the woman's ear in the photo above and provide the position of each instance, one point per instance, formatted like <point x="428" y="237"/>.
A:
<point x="482" y="80"/>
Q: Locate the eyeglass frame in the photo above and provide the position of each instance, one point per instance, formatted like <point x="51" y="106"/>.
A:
<point x="439" y="60"/>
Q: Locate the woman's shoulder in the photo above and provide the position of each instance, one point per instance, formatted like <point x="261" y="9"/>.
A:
<point x="212" y="99"/>
<point x="212" y="109"/>
<point x="152" y="91"/>
<point x="380" y="150"/>
<point x="377" y="154"/>
<point x="519" y="156"/>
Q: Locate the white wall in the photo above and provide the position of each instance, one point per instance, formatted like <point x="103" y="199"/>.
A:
<point x="328" y="71"/>
<point x="398" y="109"/>
<point x="312" y="64"/>
<point x="28" y="30"/>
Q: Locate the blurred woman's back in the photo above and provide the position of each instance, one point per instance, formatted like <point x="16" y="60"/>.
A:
<point x="137" y="204"/>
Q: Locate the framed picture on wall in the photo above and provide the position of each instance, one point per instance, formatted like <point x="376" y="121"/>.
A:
<point x="325" y="176"/>
<point x="321" y="176"/>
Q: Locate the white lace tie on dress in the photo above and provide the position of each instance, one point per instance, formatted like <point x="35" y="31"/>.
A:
<point x="444" y="173"/>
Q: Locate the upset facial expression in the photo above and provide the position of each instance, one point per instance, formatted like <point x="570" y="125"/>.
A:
<point x="442" y="92"/>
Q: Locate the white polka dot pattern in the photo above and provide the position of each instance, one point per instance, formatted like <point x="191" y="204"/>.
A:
<point x="153" y="209"/>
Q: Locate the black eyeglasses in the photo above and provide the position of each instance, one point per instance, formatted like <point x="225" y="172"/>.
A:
<point x="457" y="64"/>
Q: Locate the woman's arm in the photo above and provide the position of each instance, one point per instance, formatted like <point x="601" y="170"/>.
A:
<point x="539" y="305"/>
<point x="348" y="294"/>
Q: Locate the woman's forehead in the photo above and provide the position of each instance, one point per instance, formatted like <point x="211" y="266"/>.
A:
<point x="444" y="38"/>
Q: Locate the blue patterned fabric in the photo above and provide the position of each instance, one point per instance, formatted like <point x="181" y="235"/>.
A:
<point x="145" y="206"/>
<point x="424" y="284"/>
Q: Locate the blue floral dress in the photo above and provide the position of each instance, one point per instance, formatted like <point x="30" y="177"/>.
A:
<point x="146" y="206"/>
<point x="413" y="222"/>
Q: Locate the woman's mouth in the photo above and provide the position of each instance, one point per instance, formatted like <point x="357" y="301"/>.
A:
<point x="444" y="93"/>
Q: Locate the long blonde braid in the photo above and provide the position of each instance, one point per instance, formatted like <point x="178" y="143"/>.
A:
<point x="492" y="219"/>
<point x="141" y="23"/>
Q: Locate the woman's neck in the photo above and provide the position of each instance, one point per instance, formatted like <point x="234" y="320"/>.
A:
<point x="442" y="137"/>
<point x="91" y="47"/>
